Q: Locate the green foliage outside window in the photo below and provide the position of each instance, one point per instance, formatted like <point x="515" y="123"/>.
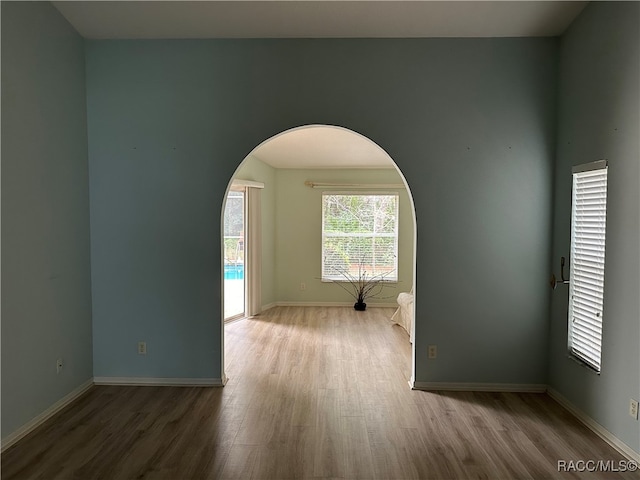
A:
<point x="359" y="234"/>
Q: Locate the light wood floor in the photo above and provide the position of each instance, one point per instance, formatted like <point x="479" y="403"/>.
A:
<point x="313" y="393"/>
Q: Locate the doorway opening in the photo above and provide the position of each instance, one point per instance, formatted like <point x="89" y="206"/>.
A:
<point x="283" y="248"/>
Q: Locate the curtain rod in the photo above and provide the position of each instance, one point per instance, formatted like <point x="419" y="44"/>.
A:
<point x="353" y="185"/>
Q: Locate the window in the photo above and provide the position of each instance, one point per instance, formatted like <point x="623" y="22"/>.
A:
<point x="359" y="234"/>
<point x="586" y="291"/>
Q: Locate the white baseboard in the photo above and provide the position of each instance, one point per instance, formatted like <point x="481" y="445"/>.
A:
<point x="268" y="306"/>
<point x="34" y="423"/>
<point x="159" y="381"/>
<point x="590" y="423"/>
<point x="333" y="304"/>
<point x="480" y="387"/>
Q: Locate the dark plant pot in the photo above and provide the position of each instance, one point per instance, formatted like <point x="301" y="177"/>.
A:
<point x="360" y="306"/>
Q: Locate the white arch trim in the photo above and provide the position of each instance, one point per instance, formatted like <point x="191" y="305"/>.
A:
<point x="413" y="215"/>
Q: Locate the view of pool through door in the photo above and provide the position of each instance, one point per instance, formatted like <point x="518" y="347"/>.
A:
<point x="234" y="255"/>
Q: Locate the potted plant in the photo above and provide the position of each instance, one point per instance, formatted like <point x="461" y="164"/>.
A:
<point x="363" y="285"/>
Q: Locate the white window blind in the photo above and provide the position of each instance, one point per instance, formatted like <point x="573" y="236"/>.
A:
<point x="586" y="291"/>
<point x="359" y="236"/>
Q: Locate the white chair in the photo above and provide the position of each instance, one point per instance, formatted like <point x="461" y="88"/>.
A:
<point x="404" y="314"/>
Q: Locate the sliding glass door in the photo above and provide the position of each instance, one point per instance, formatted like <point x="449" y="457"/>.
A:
<point x="234" y="255"/>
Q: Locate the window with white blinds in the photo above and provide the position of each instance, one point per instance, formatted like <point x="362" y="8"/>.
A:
<point x="588" y="232"/>
<point x="359" y="236"/>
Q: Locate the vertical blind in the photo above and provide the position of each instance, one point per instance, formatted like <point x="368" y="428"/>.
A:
<point x="586" y="292"/>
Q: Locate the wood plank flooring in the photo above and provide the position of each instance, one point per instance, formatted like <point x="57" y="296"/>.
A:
<point x="312" y="393"/>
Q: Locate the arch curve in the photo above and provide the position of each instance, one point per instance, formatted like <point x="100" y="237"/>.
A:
<point x="321" y="147"/>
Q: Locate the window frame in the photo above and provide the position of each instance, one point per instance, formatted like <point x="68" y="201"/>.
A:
<point x="587" y="264"/>
<point x="395" y="235"/>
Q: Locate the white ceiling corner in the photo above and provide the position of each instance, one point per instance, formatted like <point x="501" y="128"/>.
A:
<point x="321" y="146"/>
<point x="318" y="19"/>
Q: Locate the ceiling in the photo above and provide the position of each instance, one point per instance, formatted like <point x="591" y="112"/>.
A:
<point x="318" y="19"/>
<point x="318" y="146"/>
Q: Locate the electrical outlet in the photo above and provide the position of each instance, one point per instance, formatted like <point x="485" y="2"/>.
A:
<point x="142" y="348"/>
<point x="433" y="351"/>
<point x="58" y="365"/>
<point x="633" y="408"/>
<point x="303" y="286"/>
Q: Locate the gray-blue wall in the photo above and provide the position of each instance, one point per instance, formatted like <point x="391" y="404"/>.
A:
<point x="470" y="122"/>
<point x="599" y="119"/>
<point x="46" y="291"/>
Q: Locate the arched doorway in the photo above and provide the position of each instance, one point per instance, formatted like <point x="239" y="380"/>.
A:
<point x="296" y="167"/>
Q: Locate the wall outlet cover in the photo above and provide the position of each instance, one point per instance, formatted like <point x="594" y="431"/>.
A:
<point x="432" y="351"/>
